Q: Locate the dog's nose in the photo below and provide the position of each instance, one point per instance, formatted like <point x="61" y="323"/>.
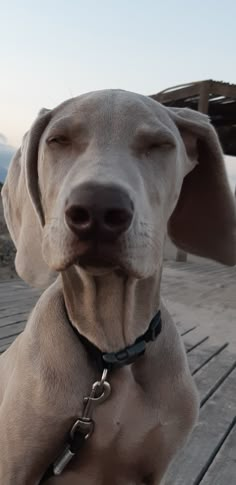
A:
<point x="99" y="212"/>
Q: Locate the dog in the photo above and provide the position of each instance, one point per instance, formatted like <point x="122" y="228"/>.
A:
<point x="89" y="199"/>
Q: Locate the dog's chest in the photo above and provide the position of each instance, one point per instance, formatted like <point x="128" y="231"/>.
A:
<point x="126" y="437"/>
<point x="127" y="417"/>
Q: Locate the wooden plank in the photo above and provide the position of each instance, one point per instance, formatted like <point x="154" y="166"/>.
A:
<point x="197" y="344"/>
<point x="215" y="418"/>
<point x="13" y="329"/>
<point x="13" y="283"/>
<point x="6" y="321"/>
<point x="6" y="342"/>
<point x="183" y="333"/>
<point x="19" y="296"/>
<point x="16" y="296"/>
<point x="184" y="326"/>
<point x="17" y="285"/>
<point x="222" y="469"/>
<point x="209" y="378"/>
<point x="14" y="311"/>
<point x="10" y="295"/>
<point x="195" y="338"/>
<point x="200" y="356"/>
<point x="17" y="302"/>
<point x="11" y="290"/>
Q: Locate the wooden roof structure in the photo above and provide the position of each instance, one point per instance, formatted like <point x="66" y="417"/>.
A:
<point x="217" y="99"/>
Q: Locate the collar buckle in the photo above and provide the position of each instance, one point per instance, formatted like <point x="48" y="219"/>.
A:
<point x="124" y="357"/>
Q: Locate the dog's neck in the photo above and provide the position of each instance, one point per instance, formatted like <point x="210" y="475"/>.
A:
<point x="111" y="310"/>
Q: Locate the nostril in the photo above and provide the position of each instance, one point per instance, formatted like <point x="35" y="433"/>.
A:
<point x="117" y="218"/>
<point x="79" y="215"/>
<point x="98" y="213"/>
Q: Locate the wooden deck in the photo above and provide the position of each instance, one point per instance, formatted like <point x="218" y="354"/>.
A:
<point x="210" y="456"/>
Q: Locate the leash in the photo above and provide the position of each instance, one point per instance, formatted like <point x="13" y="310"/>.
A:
<point x="83" y="427"/>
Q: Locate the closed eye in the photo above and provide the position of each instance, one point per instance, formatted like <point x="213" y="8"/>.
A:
<point x="58" y="140"/>
<point x="164" y="145"/>
<point x="158" y="146"/>
<point x="148" y="140"/>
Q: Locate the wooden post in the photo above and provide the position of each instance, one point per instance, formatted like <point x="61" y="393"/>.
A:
<point x="181" y="256"/>
<point x="204" y="97"/>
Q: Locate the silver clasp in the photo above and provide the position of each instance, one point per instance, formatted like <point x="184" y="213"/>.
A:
<point x="85" y="425"/>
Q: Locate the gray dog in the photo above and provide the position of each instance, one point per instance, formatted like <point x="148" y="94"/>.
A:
<point x="90" y="196"/>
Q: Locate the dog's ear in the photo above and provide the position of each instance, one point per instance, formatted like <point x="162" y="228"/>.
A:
<point x="22" y="207"/>
<point x="204" y="219"/>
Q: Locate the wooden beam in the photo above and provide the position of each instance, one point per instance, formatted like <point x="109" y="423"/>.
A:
<point x="165" y="97"/>
<point x="223" y="89"/>
<point x="215" y="88"/>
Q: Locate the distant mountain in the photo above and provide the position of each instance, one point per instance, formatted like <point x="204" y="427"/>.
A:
<point x="3" y="173"/>
<point x="6" y="153"/>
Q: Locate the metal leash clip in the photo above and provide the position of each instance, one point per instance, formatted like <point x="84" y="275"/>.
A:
<point x="84" y="426"/>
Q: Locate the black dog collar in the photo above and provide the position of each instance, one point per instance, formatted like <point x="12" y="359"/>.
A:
<point x="126" y="356"/>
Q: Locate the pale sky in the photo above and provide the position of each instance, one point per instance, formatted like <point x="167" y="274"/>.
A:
<point x="54" y="49"/>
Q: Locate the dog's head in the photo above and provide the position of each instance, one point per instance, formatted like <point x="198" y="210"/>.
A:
<point x="99" y="180"/>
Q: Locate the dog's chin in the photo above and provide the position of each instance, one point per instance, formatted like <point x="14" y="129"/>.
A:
<point x="97" y="271"/>
<point x="122" y="268"/>
<point x="97" y="264"/>
<point x="99" y="261"/>
<point x="102" y="266"/>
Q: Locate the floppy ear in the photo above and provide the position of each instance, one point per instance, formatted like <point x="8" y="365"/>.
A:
<point x="204" y="219"/>
<point x="22" y="207"/>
